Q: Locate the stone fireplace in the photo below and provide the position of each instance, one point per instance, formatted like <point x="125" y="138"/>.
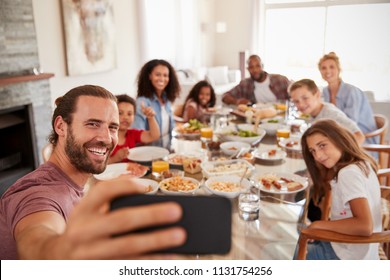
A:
<point x="25" y="97"/>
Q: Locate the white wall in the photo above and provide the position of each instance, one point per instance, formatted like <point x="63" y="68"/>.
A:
<point x="51" y="49"/>
<point x="237" y="15"/>
<point x="217" y="48"/>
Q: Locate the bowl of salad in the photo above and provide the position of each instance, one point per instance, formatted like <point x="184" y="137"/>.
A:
<point x="243" y="135"/>
<point x="190" y="129"/>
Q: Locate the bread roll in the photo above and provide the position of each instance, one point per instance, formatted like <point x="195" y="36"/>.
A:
<point x="293" y="186"/>
<point x="266" y="113"/>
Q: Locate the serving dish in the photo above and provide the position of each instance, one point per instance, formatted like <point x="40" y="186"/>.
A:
<point x="151" y="184"/>
<point x="232" y="134"/>
<point x="179" y="185"/>
<point x="227" y="185"/>
<point x="227" y="167"/>
<point x="233" y="147"/>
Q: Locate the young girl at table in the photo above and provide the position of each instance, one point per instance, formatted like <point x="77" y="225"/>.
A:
<point x="336" y="162"/>
<point x="127" y="137"/>
<point x="200" y="100"/>
<point x="307" y="98"/>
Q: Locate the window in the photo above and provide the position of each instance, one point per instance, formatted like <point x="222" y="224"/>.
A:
<point x="298" y="33"/>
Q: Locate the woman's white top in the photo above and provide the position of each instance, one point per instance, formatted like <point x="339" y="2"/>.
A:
<point x="165" y="127"/>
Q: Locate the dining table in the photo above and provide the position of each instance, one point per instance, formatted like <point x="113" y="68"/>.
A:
<point x="274" y="234"/>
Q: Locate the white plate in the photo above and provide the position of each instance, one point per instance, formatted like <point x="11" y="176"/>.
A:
<point x="284" y="142"/>
<point x="290" y="176"/>
<point x="245" y="184"/>
<point x="194" y="135"/>
<point x="116" y="169"/>
<point x="148" y="182"/>
<point x="179" y="192"/>
<point x="264" y="155"/>
<point x="147" y="153"/>
<point x="220" y="111"/>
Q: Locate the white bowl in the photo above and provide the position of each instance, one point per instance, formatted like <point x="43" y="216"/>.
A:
<point x="229" y="137"/>
<point x="270" y="128"/>
<point x="245" y="184"/>
<point x="178" y="191"/>
<point x="270" y="125"/>
<point x="147" y="182"/>
<point x="232" y="147"/>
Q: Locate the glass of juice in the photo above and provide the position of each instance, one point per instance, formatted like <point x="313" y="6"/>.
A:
<point x="159" y="166"/>
<point x="206" y="135"/>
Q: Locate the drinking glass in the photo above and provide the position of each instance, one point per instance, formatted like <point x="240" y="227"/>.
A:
<point x="158" y="166"/>
<point x="249" y="204"/>
<point x="206" y="135"/>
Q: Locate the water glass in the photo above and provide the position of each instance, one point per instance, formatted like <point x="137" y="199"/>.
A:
<point x="249" y="204"/>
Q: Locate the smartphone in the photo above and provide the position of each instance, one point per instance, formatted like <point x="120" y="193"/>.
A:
<point x="206" y="219"/>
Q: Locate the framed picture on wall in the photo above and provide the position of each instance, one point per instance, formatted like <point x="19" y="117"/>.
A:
<point x="89" y="36"/>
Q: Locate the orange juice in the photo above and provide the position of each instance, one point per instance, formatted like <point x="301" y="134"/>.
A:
<point x="206" y="132"/>
<point x="160" y="166"/>
<point x="283" y="133"/>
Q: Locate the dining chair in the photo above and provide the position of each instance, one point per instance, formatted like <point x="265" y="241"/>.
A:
<point x="384" y="161"/>
<point x="382" y="124"/>
<point x="382" y="237"/>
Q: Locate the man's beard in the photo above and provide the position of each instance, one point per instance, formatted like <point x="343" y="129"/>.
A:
<point x="77" y="154"/>
<point x="261" y="77"/>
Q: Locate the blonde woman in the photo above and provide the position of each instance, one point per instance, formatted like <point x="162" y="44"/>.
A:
<point x="348" y="98"/>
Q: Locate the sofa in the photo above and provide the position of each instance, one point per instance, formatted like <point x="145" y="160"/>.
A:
<point x="220" y="77"/>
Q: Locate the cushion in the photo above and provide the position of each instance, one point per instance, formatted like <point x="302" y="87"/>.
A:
<point x="218" y="75"/>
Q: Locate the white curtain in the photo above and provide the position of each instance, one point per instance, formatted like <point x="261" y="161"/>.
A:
<point x="170" y="30"/>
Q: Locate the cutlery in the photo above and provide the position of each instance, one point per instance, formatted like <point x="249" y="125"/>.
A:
<point x="238" y="154"/>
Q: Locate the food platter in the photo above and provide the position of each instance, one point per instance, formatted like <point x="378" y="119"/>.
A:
<point x="116" y="169"/>
<point x="147" y="153"/>
<point x="227" y="167"/>
<point x="280" y="182"/>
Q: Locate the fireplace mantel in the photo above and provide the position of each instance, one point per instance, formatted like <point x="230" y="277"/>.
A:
<point x="25" y="78"/>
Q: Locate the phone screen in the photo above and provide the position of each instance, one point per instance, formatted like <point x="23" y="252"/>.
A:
<point x="207" y="220"/>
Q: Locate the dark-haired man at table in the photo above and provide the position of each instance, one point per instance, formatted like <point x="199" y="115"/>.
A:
<point x="260" y="87"/>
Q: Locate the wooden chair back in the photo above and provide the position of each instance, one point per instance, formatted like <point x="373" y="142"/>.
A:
<point x="382" y="124"/>
<point x="384" y="161"/>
